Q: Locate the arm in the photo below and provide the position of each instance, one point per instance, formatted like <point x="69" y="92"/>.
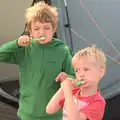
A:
<point x="9" y="52"/>
<point x="73" y="113"/>
<point x="67" y="65"/>
<point x="53" y="106"/>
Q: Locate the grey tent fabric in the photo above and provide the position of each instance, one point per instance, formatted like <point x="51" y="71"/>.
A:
<point x="106" y="14"/>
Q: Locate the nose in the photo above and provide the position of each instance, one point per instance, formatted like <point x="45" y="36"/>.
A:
<point x="81" y="75"/>
<point x="42" y="32"/>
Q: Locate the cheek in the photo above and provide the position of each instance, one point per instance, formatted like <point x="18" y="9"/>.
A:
<point x="33" y="33"/>
<point x="50" y="32"/>
<point x="96" y="75"/>
<point x="91" y="76"/>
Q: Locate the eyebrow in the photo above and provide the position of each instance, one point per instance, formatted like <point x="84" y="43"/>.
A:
<point x="46" y="26"/>
<point x="37" y="26"/>
<point x="43" y="26"/>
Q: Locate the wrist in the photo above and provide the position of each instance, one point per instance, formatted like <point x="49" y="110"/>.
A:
<point x="67" y="85"/>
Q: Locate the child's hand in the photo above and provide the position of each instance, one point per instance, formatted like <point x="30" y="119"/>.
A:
<point x="24" y="40"/>
<point x="61" y="77"/>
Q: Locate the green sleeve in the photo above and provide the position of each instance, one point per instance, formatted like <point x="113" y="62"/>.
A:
<point x="11" y="53"/>
<point x="67" y="65"/>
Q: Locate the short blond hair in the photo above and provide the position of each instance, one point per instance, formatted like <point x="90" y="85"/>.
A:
<point x="95" y="53"/>
<point x="42" y="12"/>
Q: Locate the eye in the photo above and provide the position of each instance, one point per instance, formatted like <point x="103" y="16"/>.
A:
<point x="76" y="70"/>
<point x="86" y="69"/>
<point x="46" y="28"/>
<point x="36" y="29"/>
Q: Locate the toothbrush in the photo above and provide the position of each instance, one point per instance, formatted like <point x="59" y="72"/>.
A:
<point x="41" y="38"/>
<point x="35" y="39"/>
<point x="80" y="82"/>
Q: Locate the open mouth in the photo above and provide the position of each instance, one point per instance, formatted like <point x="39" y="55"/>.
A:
<point x="80" y="82"/>
<point x="42" y="38"/>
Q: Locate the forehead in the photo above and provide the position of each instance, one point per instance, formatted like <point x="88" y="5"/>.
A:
<point x="83" y="61"/>
<point x="37" y="23"/>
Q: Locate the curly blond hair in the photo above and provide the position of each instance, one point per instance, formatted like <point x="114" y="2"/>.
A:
<point x="42" y="12"/>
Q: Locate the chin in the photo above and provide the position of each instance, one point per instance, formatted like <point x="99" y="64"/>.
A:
<point x="85" y="85"/>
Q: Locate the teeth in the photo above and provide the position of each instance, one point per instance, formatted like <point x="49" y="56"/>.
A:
<point x="42" y="38"/>
<point x="83" y="82"/>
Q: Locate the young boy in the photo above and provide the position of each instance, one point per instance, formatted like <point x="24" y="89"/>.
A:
<point x="81" y="102"/>
<point x="39" y="62"/>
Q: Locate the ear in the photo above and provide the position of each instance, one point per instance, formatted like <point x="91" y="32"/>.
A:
<point x="102" y="72"/>
<point x="55" y="30"/>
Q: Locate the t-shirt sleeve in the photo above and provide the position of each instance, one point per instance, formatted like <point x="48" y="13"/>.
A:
<point x="94" y="111"/>
<point x="61" y="103"/>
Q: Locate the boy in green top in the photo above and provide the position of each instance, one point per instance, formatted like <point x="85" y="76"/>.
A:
<point x="39" y="62"/>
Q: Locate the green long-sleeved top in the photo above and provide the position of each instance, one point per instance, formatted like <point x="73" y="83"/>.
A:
<point x="38" y="64"/>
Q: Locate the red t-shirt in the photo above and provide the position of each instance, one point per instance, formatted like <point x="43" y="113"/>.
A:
<point x="92" y="106"/>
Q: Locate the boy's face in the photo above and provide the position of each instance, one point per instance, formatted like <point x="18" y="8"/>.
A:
<point x="40" y="29"/>
<point x="87" y="69"/>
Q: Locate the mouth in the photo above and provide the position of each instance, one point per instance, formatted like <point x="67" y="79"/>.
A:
<point x="40" y="38"/>
<point x="81" y="82"/>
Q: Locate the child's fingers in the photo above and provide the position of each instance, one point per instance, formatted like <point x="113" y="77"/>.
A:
<point x="28" y="40"/>
<point x="58" y="77"/>
<point x="61" y="77"/>
<point x="24" y="40"/>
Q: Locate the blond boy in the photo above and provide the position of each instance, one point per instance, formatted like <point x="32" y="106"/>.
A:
<point x="81" y="102"/>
